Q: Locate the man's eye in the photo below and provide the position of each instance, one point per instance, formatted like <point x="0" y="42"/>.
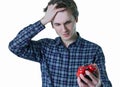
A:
<point x="57" y="24"/>
<point x="68" y="22"/>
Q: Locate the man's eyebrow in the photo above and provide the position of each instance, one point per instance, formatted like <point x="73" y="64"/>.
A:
<point x="68" y="21"/>
<point x="56" y="23"/>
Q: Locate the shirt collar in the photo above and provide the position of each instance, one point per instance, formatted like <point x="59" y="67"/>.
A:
<point x="77" y="42"/>
<point x="58" y="41"/>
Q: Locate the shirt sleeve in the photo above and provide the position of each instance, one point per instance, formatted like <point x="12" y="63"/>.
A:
<point x="100" y="60"/>
<point x="23" y="46"/>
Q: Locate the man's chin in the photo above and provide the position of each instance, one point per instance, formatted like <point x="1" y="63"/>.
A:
<point x="66" y="38"/>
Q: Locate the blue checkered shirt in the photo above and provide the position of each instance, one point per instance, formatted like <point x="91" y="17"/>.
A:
<point x="58" y="63"/>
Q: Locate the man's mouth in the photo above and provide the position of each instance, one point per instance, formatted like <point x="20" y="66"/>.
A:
<point x="66" y="34"/>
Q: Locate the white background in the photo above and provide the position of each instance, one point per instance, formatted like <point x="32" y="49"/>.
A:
<point x="99" y="22"/>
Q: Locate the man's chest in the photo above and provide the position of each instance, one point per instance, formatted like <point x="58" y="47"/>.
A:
<point x="64" y="59"/>
<point x="62" y="63"/>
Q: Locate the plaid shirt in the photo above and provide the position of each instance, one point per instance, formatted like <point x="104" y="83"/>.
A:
<point x="58" y="63"/>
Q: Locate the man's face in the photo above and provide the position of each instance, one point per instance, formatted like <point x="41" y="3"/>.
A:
<point x="64" y="24"/>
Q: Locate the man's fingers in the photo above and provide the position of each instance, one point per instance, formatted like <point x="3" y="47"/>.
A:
<point x="78" y="81"/>
<point x="86" y="80"/>
<point x="81" y="83"/>
<point x="94" y="78"/>
<point x="60" y="9"/>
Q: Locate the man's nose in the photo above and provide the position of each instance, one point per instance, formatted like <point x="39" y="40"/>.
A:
<point x="64" y="28"/>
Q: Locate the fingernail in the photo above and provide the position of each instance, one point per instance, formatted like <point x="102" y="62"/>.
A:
<point x="87" y="72"/>
<point x="81" y="75"/>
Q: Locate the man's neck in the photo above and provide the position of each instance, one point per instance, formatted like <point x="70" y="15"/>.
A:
<point x="70" y="41"/>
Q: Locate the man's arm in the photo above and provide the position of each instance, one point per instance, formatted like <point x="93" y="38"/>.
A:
<point x="100" y="60"/>
<point x="100" y="79"/>
<point x="23" y="46"/>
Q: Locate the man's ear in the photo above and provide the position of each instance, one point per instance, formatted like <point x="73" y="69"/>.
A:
<point x="76" y="19"/>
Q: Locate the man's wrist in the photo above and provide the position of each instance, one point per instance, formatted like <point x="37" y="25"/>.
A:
<point x="43" y="21"/>
<point x="99" y="84"/>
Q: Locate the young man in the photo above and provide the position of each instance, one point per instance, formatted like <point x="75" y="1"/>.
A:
<point x="61" y="57"/>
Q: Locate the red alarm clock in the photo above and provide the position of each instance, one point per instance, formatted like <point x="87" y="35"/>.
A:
<point x="81" y="69"/>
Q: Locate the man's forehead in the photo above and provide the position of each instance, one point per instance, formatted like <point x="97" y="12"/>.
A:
<point x="63" y="16"/>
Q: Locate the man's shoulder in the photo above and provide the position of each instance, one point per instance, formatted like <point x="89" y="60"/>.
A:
<point x="47" y="41"/>
<point x="89" y="43"/>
